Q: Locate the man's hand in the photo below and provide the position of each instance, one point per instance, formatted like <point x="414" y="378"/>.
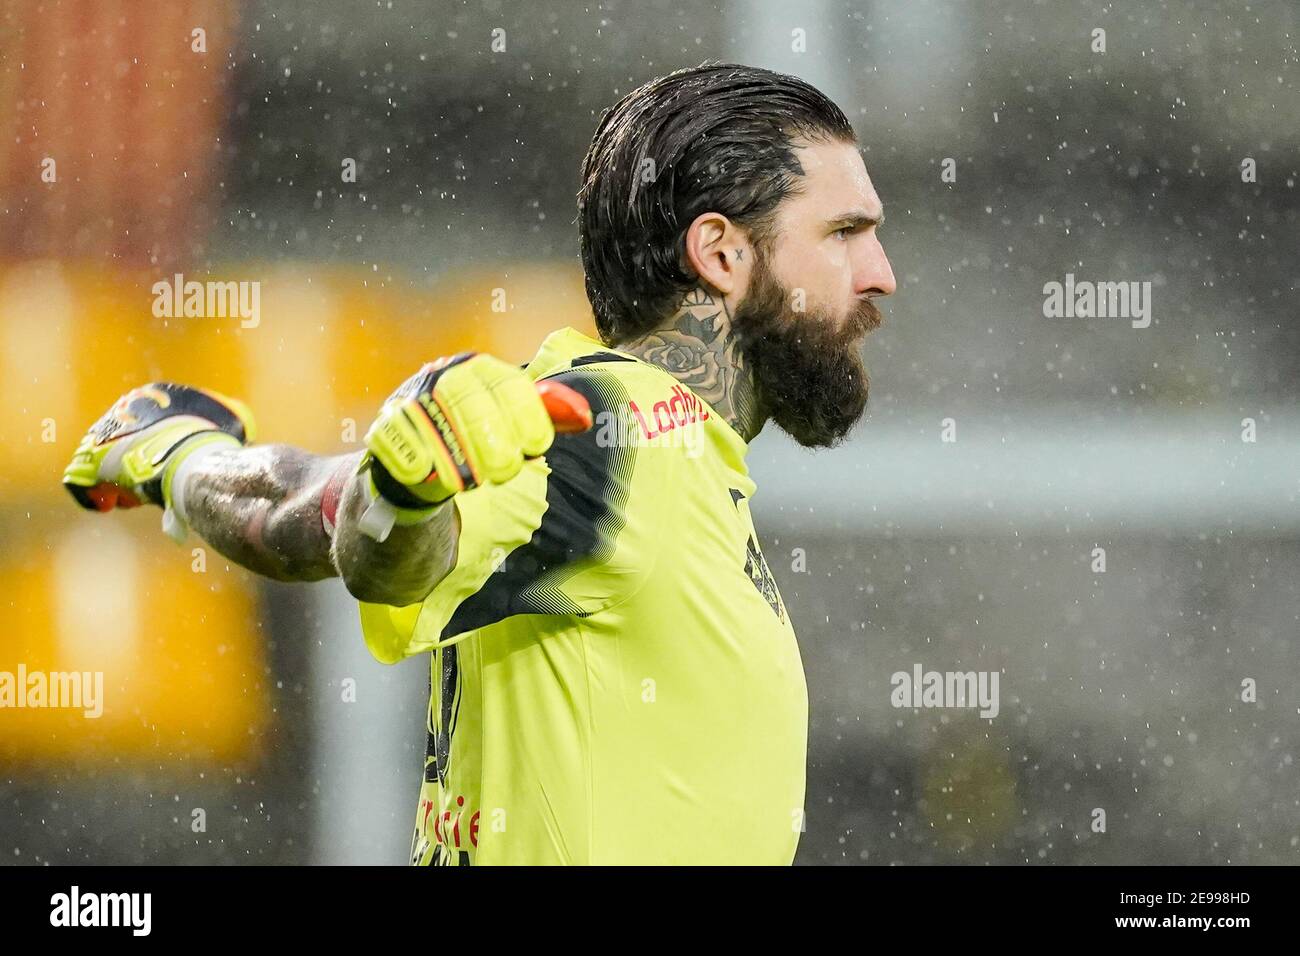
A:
<point x="130" y="455"/>
<point x="456" y="424"/>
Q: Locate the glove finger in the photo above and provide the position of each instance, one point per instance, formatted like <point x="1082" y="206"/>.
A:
<point x="498" y="447"/>
<point x="456" y="466"/>
<point x="405" y="442"/>
<point x="518" y="404"/>
<point x="83" y="470"/>
<point x="518" y="400"/>
<point x="471" y="404"/>
<point x="448" y="476"/>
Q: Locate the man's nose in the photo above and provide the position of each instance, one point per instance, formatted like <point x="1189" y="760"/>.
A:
<point x="874" y="275"/>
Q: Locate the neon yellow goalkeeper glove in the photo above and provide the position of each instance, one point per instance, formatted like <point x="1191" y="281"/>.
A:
<point x="130" y="456"/>
<point x="458" y="423"/>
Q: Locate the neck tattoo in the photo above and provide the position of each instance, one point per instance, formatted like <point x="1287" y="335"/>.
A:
<point x="697" y="348"/>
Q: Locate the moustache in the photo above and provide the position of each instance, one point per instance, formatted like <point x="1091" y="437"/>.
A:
<point x="864" y="318"/>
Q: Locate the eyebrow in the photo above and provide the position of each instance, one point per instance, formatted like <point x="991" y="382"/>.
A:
<point x="857" y="218"/>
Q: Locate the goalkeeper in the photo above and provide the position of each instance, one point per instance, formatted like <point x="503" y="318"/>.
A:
<point x="614" y="677"/>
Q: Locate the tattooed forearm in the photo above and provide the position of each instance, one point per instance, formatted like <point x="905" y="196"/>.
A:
<point x="696" y="346"/>
<point x="260" y="507"/>
<point x="406" y="566"/>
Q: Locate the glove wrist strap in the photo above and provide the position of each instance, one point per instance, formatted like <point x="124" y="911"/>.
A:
<point x="381" y="514"/>
<point x="180" y="466"/>
<point x="394" y="491"/>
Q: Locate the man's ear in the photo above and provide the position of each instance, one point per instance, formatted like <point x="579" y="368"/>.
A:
<point x="718" y="251"/>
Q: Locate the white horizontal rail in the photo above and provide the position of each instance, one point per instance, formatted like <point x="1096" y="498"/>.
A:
<point x="1043" y="471"/>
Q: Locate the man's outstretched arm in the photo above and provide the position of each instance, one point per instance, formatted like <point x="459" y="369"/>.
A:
<point x="183" y="448"/>
<point x="261" y="507"/>
<point x="393" y="531"/>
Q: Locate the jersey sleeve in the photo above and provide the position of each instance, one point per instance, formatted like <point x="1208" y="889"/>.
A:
<point x="549" y="541"/>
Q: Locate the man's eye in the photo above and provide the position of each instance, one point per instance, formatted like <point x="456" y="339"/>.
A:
<point x="844" y="232"/>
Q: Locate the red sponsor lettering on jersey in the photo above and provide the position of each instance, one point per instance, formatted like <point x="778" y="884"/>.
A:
<point x="446" y="825"/>
<point x="681" y="409"/>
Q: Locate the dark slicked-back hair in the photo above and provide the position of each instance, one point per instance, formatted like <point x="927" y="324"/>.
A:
<point x="712" y="138"/>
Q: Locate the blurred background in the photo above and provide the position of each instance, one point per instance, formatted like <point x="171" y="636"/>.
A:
<point x="382" y="169"/>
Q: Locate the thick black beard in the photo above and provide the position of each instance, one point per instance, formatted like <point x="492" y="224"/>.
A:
<point x="808" y="372"/>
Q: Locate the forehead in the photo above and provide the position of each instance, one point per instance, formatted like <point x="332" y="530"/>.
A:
<point x="835" y="181"/>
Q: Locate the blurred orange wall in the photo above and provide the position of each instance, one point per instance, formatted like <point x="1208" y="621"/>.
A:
<point x="131" y="116"/>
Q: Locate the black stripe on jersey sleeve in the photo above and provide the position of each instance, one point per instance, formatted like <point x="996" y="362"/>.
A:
<point x="586" y="494"/>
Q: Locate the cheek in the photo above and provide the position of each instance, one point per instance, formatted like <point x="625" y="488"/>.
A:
<point x="834" y="255"/>
<point x="835" y="274"/>
<point x="823" y="270"/>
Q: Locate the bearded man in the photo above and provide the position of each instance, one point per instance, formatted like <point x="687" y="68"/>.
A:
<point x="614" y="677"/>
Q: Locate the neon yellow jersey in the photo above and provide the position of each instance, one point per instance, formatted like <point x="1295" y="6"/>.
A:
<point x="614" y="677"/>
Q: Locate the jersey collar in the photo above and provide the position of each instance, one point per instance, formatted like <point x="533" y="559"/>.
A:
<point x="564" y="345"/>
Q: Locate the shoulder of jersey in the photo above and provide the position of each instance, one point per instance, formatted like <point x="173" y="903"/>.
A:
<point x="630" y="372"/>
